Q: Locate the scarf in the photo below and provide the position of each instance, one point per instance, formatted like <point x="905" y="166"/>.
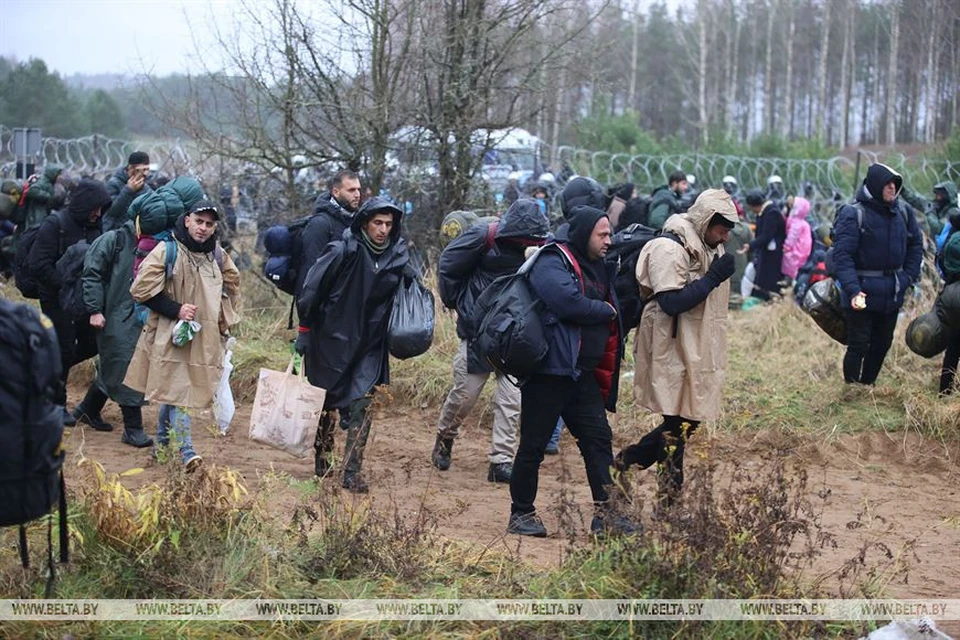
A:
<point x="375" y="249"/>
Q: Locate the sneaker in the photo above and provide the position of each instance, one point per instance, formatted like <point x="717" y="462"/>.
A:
<point x="136" y="438"/>
<point x="193" y="462"/>
<point x="614" y="525"/>
<point x="68" y="419"/>
<point x="354" y="483"/>
<point x="500" y="472"/>
<point x="94" y="421"/>
<point x="526" y="524"/>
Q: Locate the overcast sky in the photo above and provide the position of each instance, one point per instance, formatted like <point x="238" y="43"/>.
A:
<point x="107" y="36"/>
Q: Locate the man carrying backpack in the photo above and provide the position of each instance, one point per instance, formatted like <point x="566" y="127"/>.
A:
<point x="107" y="276"/>
<point x="578" y="378"/>
<point x="877" y="251"/>
<point x="681" y="343"/>
<point x="667" y="199"/>
<point x="78" y="222"/>
<point x="467" y="266"/>
<point x="203" y="288"/>
<point x="39" y="198"/>
<point x="333" y="212"/>
<point x="344" y="309"/>
<point x="124" y="185"/>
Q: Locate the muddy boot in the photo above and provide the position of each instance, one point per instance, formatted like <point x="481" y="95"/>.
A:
<point x="133" y="434"/>
<point x="323" y="446"/>
<point x="353" y="457"/>
<point x="88" y="411"/>
<point x="441" y="453"/>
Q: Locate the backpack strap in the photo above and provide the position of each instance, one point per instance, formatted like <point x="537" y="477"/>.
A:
<point x="169" y="258"/>
<point x="566" y="253"/>
<point x="491" y="236"/>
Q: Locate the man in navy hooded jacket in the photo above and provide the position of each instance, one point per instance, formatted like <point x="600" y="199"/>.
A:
<point x="875" y="261"/>
<point x="578" y="379"/>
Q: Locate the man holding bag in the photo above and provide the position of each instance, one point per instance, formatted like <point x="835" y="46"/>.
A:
<point x="203" y="293"/>
<point x="344" y="308"/>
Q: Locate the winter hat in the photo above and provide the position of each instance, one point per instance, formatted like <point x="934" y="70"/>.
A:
<point x="89" y="196"/>
<point x="581" y="191"/>
<point x="754" y="198"/>
<point x="138" y="157"/>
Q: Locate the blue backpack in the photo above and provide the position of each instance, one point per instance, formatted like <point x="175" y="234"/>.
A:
<point x="284" y="254"/>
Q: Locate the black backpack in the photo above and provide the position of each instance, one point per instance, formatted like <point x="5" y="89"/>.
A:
<point x="625" y="247"/>
<point x="31" y="425"/>
<point x="70" y="271"/>
<point x="858" y="206"/>
<point x="508" y="330"/>
<point x="284" y="254"/>
<point x="24" y="278"/>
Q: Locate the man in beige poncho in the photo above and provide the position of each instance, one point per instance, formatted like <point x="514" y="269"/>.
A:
<point x="203" y="286"/>
<point x="681" y="345"/>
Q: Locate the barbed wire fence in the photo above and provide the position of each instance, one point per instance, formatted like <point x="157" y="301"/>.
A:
<point x="824" y="180"/>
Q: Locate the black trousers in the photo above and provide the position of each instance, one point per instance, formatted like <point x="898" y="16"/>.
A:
<point x="665" y="445"/>
<point x="543" y="399"/>
<point x="951" y="358"/>
<point x="77" y="342"/>
<point x="869" y="336"/>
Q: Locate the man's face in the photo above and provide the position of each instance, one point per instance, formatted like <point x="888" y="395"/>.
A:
<point x="378" y="227"/>
<point x="890" y="191"/>
<point x="681" y="187"/>
<point x="200" y="225"/>
<point x="940" y="196"/>
<point x="599" y="240"/>
<point x="716" y="235"/>
<point x="347" y="193"/>
<point x="138" y="170"/>
<point x="95" y="215"/>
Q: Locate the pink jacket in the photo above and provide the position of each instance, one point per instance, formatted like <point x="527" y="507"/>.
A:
<point x="799" y="242"/>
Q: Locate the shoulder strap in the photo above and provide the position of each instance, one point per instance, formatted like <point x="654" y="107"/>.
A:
<point x="491" y="236"/>
<point x="170" y="257"/>
<point x="564" y="251"/>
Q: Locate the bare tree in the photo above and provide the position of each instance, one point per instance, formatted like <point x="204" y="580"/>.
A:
<point x="820" y="127"/>
<point x="891" y="110"/>
<point x="932" y="73"/>
<point x="786" y="119"/>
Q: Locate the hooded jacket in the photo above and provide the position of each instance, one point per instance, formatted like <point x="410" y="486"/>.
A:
<point x="122" y="198"/>
<point x="107" y="277"/>
<point x="345" y="302"/>
<point x="567" y="310"/>
<point x="799" y="241"/>
<point x="883" y="259"/>
<point x="936" y="214"/>
<point x="468" y="265"/>
<point x="185" y="376"/>
<point x="664" y="203"/>
<point x="327" y="225"/>
<point x="59" y="232"/>
<point x="39" y="198"/>
<point x="681" y="360"/>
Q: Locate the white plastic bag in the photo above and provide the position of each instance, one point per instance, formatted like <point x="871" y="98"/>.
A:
<point x="184" y="331"/>
<point x="746" y="283"/>
<point x="223" y="404"/>
<point x="286" y="410"/>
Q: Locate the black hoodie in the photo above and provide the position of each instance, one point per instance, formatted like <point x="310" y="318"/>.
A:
<point x="593" y="338"/>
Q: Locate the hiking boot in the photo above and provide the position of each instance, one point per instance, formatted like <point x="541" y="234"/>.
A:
<point x="614" y="524"/>
<point x="500" y="472"/>
<point x="442" y="450"/>
<point x="354" y="483"/>
<point x="526" y="524"/>
<point x="193" y="462"/>
<point x="136" y="438"/>
<point x="68" y="419"/>
<point x="323" y="446"/>
<point x="94" y="420"/>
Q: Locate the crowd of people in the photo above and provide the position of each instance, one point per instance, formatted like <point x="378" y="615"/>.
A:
<point x="160" y="295"/>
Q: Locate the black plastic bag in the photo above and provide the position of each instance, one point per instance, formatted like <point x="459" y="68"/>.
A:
<point x="822" y="303"/>
<point x="411" y="321"/>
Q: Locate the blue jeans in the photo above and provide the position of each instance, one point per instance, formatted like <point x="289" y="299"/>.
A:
<point x="176" y="420"/>
<point x="555" y="439"/>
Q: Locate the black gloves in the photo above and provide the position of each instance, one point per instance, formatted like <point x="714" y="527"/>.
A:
<point x="722" y="268"/>
<point x="303" y="342"/>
